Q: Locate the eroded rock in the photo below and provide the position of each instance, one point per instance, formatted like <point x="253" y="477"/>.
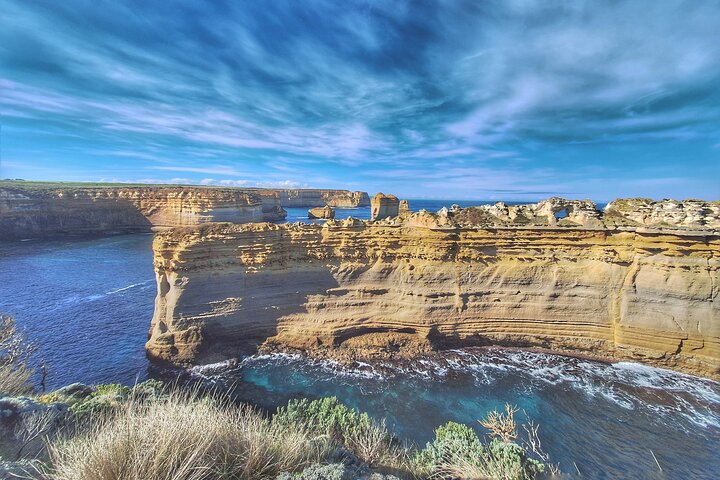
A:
<point x="404" y="285"/>
<point x="325" y="212"/>
<point x="384" y="206"/>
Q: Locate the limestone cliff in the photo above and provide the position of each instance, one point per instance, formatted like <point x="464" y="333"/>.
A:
<point x="365" y="288"/>
<point x="317" y="197"/>
<point x="47" y="210"/>
<point x="384" y="206"/>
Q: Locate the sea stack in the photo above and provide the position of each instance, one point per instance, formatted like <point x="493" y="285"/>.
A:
<point x="326" y="212"/>
<point x="384" y="206"/>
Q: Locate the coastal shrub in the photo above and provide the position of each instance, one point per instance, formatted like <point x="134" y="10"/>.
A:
<point x="332" y="471"/>
<point x="15" y="352"/>
<point x="105" y="397"/>
<point x="151" y="389"/>
<point x="458" y="452"/>
<point x="69" y="395"/>
<point x="183" y="437"/>
<point x="179" y="435"/>
<point x="346" y="427"/>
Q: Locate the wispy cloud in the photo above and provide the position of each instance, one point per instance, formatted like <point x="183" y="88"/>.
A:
<point x="333" y="92"/>
<point x="210" y="169"/>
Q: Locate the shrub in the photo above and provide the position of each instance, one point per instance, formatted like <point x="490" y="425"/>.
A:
<point x="105" y="398"/>
<point x="333" y="471"/>
<point x="357" y="432"/>
<point x="15" y="352"/>
<point x="183" y="437"/>
<point x="457" y="452"/>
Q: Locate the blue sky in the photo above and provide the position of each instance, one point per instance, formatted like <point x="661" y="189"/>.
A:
<point x="452" y="99"/>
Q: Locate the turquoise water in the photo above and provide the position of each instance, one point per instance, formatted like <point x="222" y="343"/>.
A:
<point x="88" y="304"/>
<point x="601" y="419"/>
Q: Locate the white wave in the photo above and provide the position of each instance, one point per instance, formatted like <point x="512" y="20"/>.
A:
<point x="211" y="370"/>
<point x="112" y="292"/>
<point x="668" y="395"/>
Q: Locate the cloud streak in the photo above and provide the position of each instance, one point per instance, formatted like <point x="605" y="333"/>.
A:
<point x="335" y="92"/>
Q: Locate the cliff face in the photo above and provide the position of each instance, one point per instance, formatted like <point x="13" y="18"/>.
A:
<point x="384" y="206"/>
<point x="50" y="211"/>
<point x="363" y="288"/>
<point x="317" y="198"/>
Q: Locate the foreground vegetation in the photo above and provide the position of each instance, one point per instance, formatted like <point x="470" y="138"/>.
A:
<point x="152" y="431"/>
<point x="15" y="353"/>
<point x="161" y="432"/>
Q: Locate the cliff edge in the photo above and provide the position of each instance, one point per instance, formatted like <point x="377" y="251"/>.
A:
<point x="426" y="281"/>
<point x="37" y="209"/>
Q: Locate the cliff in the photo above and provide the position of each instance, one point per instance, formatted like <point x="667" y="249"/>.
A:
<point x="317" y="197"/>
<point x="37" y="212"/>
<point x="30" y="209"/>
<point x="384" y="206"/>
<point x="397" y="287"/>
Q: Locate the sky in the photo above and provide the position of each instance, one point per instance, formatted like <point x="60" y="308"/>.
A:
<point x="491" y="100"/>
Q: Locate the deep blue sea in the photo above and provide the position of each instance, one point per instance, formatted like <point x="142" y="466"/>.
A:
<point x="88" y="303"/>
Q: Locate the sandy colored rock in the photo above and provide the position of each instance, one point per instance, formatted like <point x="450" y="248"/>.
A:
<point x="665" y="213"/>
<point x="316" y="197"/>
<point x="384" y="206"/>
<point x="29" y="209"/>
<point x="325" y="212"/>
<point x="361" y="287"/>
<point x="77" y="211"/>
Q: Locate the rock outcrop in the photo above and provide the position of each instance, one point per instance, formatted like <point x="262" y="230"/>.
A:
<point x="665" y="213"/>
<point x="37" y="212"/>
<point x="325" y="212"/>
<point x="317" y="197"/>
<point x="552" y="212"/>
<point x="360" y="288"/>
<point x="384" y="206"/>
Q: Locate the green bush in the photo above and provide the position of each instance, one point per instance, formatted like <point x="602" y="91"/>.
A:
<point x="333" y="471"/>
<point x="325" y="416"/>
<point x="452" y="441"/>
<point x="457" y="452"/>
<point x="106" y="397"/>
<point x="347" y="428"/>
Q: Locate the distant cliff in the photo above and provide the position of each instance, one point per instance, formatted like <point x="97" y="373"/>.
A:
<point x="39" y="212"/>
<point x="29" y="209"/>
<point x="317" y="198"/>
<point x="427" y="281"/>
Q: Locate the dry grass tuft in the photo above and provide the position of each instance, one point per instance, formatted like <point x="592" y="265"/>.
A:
<point x="502" y="425"/>
<point x="15" y="351"/>
<point x="184" y="437"/>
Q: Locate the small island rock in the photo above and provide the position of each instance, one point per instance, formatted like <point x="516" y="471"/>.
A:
<point x="321" y="212"/>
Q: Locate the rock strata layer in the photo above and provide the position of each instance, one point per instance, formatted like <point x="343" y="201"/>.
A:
<point x="30" y="210"/>
<point x="55" y="211"/>
<point x="384" y="206"/>
<point x="317" y="197"/>
<point x="436" y="281"/>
